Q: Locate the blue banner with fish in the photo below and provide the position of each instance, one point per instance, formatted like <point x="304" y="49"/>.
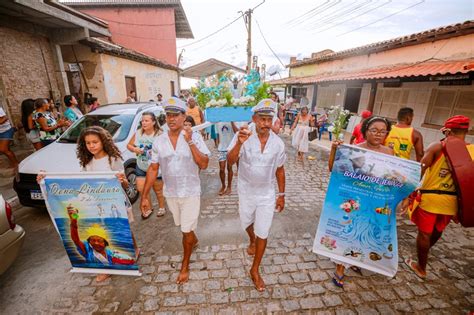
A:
<point x="358" y="224"/>
<point x="91" y="214"/>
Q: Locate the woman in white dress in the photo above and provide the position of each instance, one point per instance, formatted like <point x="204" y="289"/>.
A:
<point x="302" y="124"/>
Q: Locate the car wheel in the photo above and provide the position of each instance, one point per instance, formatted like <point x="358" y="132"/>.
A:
<point x="131" y="191"/>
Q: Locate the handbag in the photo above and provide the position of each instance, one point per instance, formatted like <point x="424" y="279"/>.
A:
<point x="313" y="134"/>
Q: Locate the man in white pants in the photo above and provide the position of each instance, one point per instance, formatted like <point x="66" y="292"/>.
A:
<point x="180" y="158"/>
<point x="261" y="155"/>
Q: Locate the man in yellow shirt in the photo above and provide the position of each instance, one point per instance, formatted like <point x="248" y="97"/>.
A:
<point x="438" y="203"/>
<point x="403" y="137"/>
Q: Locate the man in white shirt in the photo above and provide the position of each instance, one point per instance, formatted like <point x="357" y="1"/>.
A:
<point x="225" y="133"/>
<point x="261" y="156"/>
<point x="180" y="158"/>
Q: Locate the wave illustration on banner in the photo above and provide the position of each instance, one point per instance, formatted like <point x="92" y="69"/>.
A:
<point x="358" y="221"/>
<point x="89" y="212"/>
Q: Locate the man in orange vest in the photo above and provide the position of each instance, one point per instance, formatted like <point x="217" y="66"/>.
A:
<point x="403" y="137"/>
<point x="438" y="204"/>
<point x="194" y="111"/>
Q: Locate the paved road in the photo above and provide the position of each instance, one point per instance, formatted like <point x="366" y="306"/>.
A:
<point x="297" y="280"/>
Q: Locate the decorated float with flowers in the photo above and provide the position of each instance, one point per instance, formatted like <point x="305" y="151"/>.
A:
<point x="217" y="96"/>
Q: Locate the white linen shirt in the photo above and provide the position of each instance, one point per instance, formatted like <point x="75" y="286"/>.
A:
<point x="256" y="169"/>
<point x="179" y="171"/>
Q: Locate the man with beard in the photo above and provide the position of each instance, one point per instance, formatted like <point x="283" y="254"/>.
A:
<point x="261" y="156"/>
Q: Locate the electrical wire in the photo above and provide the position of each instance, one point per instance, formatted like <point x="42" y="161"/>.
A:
<point x="268" y="45"/>
<point x="139" y="24"/>
<point x="308" y="12"/>
<point x="317" y="13"/>
<point x="220" y="29"/>
<point x="346" y="12"/>
<point x="213" y="33"/>
<point x="381" y="19"/>
<point x="353" y="17"/>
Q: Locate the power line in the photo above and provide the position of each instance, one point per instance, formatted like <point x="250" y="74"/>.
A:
<point x="312" y="15"/>
<point x="139" y="24"/>
<point x="308" y="12"/>
<point x="213" y="33"/>
<point x="268" y="45"/>
<point x="220" y="29"/>
<point x="348" y="11"/>
<point x="386" y="17"/>
<point x="352" y="18"/>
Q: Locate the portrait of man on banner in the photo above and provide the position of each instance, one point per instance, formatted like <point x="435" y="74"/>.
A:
<point x="90" y="214"/>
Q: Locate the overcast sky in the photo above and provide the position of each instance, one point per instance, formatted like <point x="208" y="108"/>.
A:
<point x="300" y="27"/>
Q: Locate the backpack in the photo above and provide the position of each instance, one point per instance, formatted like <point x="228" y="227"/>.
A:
<point x="462" y="171"/>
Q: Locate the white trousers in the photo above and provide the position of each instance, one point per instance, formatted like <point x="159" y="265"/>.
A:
<point x="257" y="211"/>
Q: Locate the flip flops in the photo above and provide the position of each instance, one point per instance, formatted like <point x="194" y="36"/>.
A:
<point x="409" y="262"/>
<point x="161" y="212"/>
<point x="147" y="214"/>
<point x="338" y="280"/>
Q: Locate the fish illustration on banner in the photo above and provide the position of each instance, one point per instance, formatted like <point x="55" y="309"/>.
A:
<point x="357" y="225"/>
<point x="89" y="211"/>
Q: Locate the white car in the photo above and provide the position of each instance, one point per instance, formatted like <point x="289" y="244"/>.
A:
<point x="121" y="120"/>
<point x="12" y="236"/>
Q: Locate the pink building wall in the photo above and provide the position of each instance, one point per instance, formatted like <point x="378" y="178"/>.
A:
<point x="147" y="30"/>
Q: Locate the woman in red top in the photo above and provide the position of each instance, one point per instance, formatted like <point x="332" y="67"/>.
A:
<point x="357" y="136"/>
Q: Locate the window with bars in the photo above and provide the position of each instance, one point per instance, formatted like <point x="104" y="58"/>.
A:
<point x="445" y="103"/>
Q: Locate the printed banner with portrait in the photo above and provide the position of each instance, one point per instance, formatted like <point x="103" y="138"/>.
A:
<point x="358" y="221"/>
<point x="90" y="213"/>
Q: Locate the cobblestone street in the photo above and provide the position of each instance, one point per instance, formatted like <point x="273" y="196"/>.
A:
<point x="297" y="280"/>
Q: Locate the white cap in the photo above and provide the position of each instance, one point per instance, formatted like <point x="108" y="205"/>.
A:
<point x="265" y="107"/>
<point x="174" y="105"/>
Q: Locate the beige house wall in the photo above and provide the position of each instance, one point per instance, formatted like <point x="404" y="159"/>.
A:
<point x="454" y="48"/>
<point x="150" y="80"/>
<point x="417" y="95"/>
<point x="330" y="95"/>
<point x="105" y="75"/>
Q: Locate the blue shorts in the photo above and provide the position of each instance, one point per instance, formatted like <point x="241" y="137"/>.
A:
<point x="222" y="156"/>
<point x="7" y="135"/>
<point x="141" y="173"/>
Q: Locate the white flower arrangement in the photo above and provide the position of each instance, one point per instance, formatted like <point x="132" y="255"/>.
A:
<point x="216" y="103"/>
<point x="242" y="101"/>
<point x="338" y="118"/>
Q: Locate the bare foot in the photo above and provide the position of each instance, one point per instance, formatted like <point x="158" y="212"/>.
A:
<point x="101" y="277"/>
<point x="222" y="191"/>
<point x="257" y="281"/>
<point x="228" y="191"/>
<point x="183" y="276"/>
<point x="251" y="249"/>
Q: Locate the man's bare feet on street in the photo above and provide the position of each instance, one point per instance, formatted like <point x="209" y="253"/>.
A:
<point x="257" y="281"/>
<point x="228" y="191"/>
<point x="183" y="276"/>
<point x="222" y="191"/>
<point x="251" y="249"/>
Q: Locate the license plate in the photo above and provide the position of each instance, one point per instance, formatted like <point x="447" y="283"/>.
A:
<point x="36" y="195"/>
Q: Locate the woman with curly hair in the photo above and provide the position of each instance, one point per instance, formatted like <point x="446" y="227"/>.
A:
<point x="97" y="152"/>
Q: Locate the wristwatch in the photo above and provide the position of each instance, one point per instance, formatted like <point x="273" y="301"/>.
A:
<point x="281" y="194"/>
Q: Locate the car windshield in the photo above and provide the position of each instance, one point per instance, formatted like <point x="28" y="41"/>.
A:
<point x="117" y="125"/>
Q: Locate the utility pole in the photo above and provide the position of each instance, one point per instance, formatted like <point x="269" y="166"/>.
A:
<point x="248" y="24"/>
